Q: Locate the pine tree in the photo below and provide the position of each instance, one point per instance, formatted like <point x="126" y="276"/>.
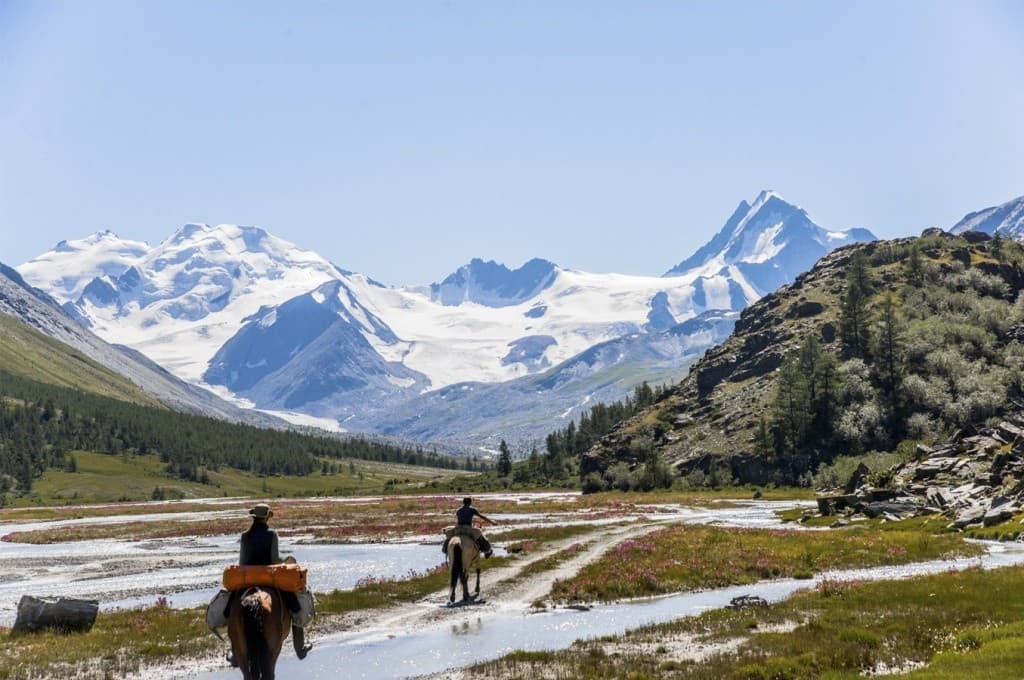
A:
<point x="913" y="268"/>
<point x="763" y="441"/>
<point x="791" y="405"/>
<point x="504" y="459"/>
<point x="853" y="313"/>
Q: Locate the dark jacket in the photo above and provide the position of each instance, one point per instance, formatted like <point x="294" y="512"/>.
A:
<point x="259" y="546"/>
<point x="464" y="515"/>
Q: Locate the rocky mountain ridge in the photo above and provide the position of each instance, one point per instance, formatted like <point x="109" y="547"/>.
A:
<point x="721" y="414"/>
<point x="1006" y="220"/>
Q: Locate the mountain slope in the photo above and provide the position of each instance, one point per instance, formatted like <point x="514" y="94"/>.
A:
<point x="41" y="342"/>
<point x="523" y="410"/>
<point x="955" y="353"/>
<point x="1007" y="220"/>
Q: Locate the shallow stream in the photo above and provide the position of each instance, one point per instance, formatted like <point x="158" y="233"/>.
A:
<point x="473" y="634"/>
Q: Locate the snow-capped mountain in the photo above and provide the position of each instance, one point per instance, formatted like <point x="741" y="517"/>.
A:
<point x="494" y="285"/>
<point x="1006" y="220"/>
<point x="381" y="342"/>
<point x="764" y="245"/>
<point x="65" y="271"/>
<point x="285" y="329"/>
<point x="182" y="300"/>
<point x="38" y="310"/>
<point x="523" y="410"/>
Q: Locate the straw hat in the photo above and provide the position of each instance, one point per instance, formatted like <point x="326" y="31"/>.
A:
<point x="261" y="511"/>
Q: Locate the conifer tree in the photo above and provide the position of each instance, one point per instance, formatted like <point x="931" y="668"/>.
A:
<point x="913" y="268"/>
<point x="791" y="405"/>
<point x="853" y="314"/>
<point x="504" y="459"/>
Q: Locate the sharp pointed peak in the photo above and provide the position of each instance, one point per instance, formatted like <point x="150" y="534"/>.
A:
<point x="767" y="195"/>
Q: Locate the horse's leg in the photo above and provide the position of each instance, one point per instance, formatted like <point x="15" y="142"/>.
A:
<point x="237" y="635"/>
<point x="477" y="593"/>
<point x="456" y="566"/>
<point x="464" y="578"/>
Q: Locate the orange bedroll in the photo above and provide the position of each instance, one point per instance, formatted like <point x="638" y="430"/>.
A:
<point x="288" y="577"/>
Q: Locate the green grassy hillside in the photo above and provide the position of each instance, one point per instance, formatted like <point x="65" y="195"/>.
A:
<point x="102" y="478"/>
<point x="26" y="352"/>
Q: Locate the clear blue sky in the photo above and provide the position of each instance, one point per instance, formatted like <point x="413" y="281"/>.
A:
<point x="401" y="139"/>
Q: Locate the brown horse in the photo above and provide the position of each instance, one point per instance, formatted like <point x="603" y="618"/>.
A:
<point x="258" y="625"/>
<point x="463" y="555"/>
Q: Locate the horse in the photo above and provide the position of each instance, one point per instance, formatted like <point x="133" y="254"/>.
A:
<point x="258" y="625"/>
<point x="463" y="555"/>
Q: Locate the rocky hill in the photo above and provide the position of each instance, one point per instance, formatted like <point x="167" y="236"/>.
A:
<point x="952" y="363"/>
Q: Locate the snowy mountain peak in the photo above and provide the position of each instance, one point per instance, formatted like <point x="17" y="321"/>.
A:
<point x="494" y="285"/>
<point x="65" y="271"/>
<point x="767" y="195"/>
<point x="1006" y="220"/>
<point x="106" y="237"/>
<point x="766" y="243"/>
<point x="234" y="237"/>
<point x="195" y="286"/>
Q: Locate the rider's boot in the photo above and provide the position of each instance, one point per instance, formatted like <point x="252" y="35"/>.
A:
<point x="298" y="640"/>
<point x="485" y="546"/>
<point x="444" y="546"/>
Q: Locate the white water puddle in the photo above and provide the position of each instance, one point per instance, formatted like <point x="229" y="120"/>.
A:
<point x="471" y="635"/>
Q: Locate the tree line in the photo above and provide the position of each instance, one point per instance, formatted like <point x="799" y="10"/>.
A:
<point x="39" y="423"/>
<point x="558" y="464"/>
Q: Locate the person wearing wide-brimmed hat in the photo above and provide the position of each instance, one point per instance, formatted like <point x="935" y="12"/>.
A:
<point x="259" y="546"/>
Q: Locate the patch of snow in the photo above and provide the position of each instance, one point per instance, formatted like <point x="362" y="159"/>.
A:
<point x="269" y="319"/>
<point x="583" y="403"/>
<point x="764" y="247"/>
<point x="305" y="420"/>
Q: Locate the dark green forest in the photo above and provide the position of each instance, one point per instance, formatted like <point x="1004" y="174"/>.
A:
<point x="40" y="423"/>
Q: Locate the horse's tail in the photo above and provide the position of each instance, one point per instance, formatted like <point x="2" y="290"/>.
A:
<point x="456" y="562"/>
<point x="255" y="606"/>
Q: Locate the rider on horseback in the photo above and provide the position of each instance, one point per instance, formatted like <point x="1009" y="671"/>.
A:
<point x="464" y="525"/>
<point x="259" y="546"/>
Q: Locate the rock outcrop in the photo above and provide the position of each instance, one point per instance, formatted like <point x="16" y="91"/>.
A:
<point x="974" y="481"/>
